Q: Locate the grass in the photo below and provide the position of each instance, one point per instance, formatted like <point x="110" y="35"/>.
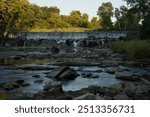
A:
<point x="61" y="30"/>
<point x="139" y="49"/>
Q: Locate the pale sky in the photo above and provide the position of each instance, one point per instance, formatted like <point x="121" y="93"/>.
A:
<point x="84" y="6"/>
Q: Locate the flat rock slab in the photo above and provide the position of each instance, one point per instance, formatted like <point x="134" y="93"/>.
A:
<point x="63" y="73"/>
<point x="127" y="76"/>
<point x="54" y="84"/>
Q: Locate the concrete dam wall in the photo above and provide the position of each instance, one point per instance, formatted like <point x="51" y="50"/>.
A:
<point x="71" y="35"/>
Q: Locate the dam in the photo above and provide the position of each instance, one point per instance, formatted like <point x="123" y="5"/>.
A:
<point x="72" y="35"/>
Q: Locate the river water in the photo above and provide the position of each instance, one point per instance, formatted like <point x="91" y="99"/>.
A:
<point x="10" y="74"/>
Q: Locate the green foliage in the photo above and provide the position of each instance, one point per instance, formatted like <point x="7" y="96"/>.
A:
<point x="20" y="15"/>
<point x="95" y="23"/>
<point x="14" y="15"/>
<point x="134" y="48"/>
<point x="75" y="18"/>
<point x="60" y="30"/>
<point x="142" y="7"/>
<point x="127" y="20"/>
<point x="105" y="12"/>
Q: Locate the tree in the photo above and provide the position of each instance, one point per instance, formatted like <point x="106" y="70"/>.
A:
<point x="142" y="7"/>
<point x="105" y="12"/>
<point x="15" y="15"/>
<point x="95" y="23"/>
<point x="75" y="18"/>
<point x="84" y="20"/>
<point x="127" y="20"/>
<point x="118" y="18"/>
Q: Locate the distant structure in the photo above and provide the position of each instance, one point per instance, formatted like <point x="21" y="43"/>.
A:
<point x="63" y="36"/>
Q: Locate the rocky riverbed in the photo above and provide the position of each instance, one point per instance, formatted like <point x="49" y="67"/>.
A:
<point x="66" y="73"/>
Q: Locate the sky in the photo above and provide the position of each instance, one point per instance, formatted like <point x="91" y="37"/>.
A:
<point x="84" y="6"/>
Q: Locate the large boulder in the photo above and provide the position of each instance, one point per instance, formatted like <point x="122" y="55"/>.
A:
<point x="127" y="76"/>
<point x="111" y="70"/>
<point x="53" y="84"/>
<point x="69" y="42"/>
<point x="19" y="42"/>
<point x="63" y="73"/>
<point x="46" y="42"/>
<point x="52" y="90"/>
<point x="31" y="42"/>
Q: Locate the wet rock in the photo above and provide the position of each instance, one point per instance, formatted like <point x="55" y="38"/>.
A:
<point x="142" y="89"/>
<point x="63" y="73"/>
<point x="8" y="87"/>
<point x="69" y="42"/>
<point x="57" y="71"/>
<point x="146" y="76"/>
<point x="108" y="63"/>
<point x="43" y="95"/>
<point x="129" y="87"/>
<point x="111" y="70"/>
<point x="69" y="74"/>
<point x="55" y="92"/>
<point x="19" y="71"/>
<point x="107" y="97"/>
<point x="20" y="42"/>
<point x="35" y="68"/>
<point x="51" y="93"/>
<point x="110" y="91"/>
<point x="55" y="50"/>
<point x="38" y="81"/>
<point x="137" y="76"/>
<point x="11" y="86"/>
<point x="17" y="58"/>
<point x="46" y="42"/>
<point x="93" y="89"/>
<point x="97" y="97"/>
<point x="118" y="87"/>
<point x="99" y="70"/>
<point x="121" y="97"/>
<point x="88" y="96"/>
<point x="15" y="85"/>
<point x="127" y="76"/>
<point x="92" y="43"/>
<point x="95" y="76"/>
<point x="53" y="84"/>
<point x="73" y="93"/>
<point x="36" y="76"/>
<point x="90" y="75"/>
<point x="123" y="68"/>
<point x="20" y="82"/>
<point x="24" y="84"/>
<point x="31" y="42"/>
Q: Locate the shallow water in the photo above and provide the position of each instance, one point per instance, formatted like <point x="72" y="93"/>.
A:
<point x="80" y="82"/>
<point x="10" y="74"/>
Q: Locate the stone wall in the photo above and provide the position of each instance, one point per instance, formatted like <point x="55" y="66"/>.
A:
<point x="71" y="35"/>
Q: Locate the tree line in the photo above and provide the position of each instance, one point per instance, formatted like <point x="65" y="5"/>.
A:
<point x="20" y="15"/>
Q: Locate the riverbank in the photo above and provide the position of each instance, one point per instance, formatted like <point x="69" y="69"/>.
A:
<point x="138" y="49"/>
<point x="24" y="72"/>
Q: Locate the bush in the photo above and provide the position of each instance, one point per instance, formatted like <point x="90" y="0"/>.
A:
<point x="135" y="48"/>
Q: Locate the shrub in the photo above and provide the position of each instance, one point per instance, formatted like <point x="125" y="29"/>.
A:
<point x="134" y="48"/>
